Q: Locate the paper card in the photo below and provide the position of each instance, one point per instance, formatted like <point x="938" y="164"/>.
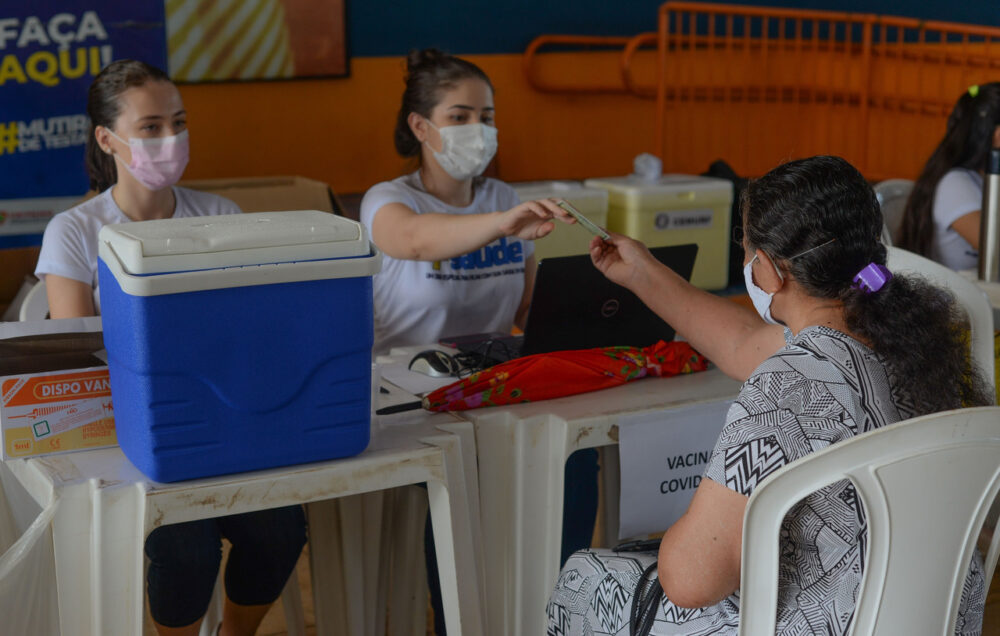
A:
<point x="663" y="456"/>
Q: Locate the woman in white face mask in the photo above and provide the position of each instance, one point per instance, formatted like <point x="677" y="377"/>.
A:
<point x="838" y="346"/>
<point x="458" y="245"/>
<point x="136" y="152"/>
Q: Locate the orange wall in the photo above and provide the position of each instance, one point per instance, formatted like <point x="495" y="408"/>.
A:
<point x="340" y="130"/>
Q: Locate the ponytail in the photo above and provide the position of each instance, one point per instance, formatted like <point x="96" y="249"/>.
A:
<point x="920" y="329"/>
<point x="794" y="211"/>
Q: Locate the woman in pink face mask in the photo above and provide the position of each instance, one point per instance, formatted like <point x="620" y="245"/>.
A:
<point x="136" y="151"/>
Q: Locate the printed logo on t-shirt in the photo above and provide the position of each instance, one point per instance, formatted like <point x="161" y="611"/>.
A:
<point x="488" y="257"/>
<point x="494" y="254"/>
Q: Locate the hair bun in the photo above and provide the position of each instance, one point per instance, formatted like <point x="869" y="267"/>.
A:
<point x="425" y="57"/>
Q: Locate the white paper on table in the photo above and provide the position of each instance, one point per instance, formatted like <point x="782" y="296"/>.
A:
<point x="411" y="381"/>
<point x="663" y="455"/>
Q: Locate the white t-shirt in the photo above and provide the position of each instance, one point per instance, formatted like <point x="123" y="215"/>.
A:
<point x="959" y="192"/>
<point x="69" y="246"/>
<point x="418" y="302"/>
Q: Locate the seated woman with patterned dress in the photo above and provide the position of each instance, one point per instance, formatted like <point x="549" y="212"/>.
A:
<point x="838" y="346"/>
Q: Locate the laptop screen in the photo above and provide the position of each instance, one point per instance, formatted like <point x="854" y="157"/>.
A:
<point x="574" y="306"/>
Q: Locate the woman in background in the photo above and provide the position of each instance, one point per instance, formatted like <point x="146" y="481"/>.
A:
<point x="136" y="152"/>
<point x="941" y="218"/>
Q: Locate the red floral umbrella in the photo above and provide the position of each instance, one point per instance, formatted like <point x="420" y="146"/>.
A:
<point x="550" y="375"/>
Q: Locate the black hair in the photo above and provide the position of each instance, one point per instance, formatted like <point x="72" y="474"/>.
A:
<point x="103" y="108"/>
<point x="428" y="74"/>
<point x="917" y="328"/>
<point x="967" y="141"/>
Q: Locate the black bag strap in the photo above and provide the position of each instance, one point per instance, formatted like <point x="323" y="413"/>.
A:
<point x="648" y="593"/>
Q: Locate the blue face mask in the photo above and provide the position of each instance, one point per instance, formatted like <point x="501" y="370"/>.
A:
<point x="760" y="298"/>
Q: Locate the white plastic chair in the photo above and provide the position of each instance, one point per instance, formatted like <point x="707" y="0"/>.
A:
<point x="892" y="195"/>
<point x="35" y="305"/>
<point x="927" y="485"/>
<point x="972" y="298"/>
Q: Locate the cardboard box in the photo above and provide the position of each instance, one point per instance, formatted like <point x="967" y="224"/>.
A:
<point x="271" y="194"/>
<point x="55" y="394"/>
<point x="252" y="194"/>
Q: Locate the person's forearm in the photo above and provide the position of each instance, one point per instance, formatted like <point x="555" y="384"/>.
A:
<point x="435" y="237"/>
<point x="730" y="335"/>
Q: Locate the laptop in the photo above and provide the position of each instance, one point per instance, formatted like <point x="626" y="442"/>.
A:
<point x="573" y="306"/>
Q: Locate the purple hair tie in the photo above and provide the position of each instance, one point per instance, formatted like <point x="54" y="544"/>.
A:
<point x="872" y="278"/>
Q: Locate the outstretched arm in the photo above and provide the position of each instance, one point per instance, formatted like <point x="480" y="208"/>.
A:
<point x="402" y="233"/>
<point x="730" y="335"/>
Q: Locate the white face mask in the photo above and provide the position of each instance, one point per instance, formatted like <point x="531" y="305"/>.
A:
<point x="466" y="150"/>
<point x="760" y="298"/>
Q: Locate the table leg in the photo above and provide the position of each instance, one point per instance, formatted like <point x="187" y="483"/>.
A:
<point x="326" y="568"/>
<point x="521" y="483"/>
<point x="372" y="514"/>
<point x="408" y="584"/>
<point x="345" y="553"/>
<point x="611" y="490"/>
<point x="98" y="538"/>
<point x="454" y="542"/>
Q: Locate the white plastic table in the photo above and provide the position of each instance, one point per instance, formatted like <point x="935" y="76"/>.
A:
<point x="522" y="451"/>
<point x="106" y="508"/>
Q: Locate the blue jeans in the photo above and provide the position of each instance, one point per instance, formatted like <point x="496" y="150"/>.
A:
<point x="184" y="561"/>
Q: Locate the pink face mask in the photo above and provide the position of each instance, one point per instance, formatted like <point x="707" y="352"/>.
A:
<point x="158" y="162"/>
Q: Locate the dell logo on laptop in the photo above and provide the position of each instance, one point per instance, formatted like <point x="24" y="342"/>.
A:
<point x="610" y="307"/>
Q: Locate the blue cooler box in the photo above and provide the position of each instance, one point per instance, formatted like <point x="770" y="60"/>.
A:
<point x="238" y="342"/>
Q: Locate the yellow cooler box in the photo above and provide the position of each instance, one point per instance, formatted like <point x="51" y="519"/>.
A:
<point x="567" y="240"/>
<point x="672" y="210"/>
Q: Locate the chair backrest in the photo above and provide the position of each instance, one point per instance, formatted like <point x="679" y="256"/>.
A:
<point x="892" y="195"/>
<point x="36" y="303"/>
<point x="926" y="484"/>
<point x="972" y="298"/>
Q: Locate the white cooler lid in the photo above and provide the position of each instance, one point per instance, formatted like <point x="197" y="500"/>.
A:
<point x="168" y="256"/>
<point x="667" y="183"/>
<point x="233" y="240"/>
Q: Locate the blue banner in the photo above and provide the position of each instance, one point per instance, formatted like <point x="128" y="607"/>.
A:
<point x="50" y="51"/>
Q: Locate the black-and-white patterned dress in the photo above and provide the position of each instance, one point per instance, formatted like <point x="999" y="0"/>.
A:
<point x="822" y="387"/>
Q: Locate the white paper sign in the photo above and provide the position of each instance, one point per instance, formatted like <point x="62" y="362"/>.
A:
<point x="663" y="456"/>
